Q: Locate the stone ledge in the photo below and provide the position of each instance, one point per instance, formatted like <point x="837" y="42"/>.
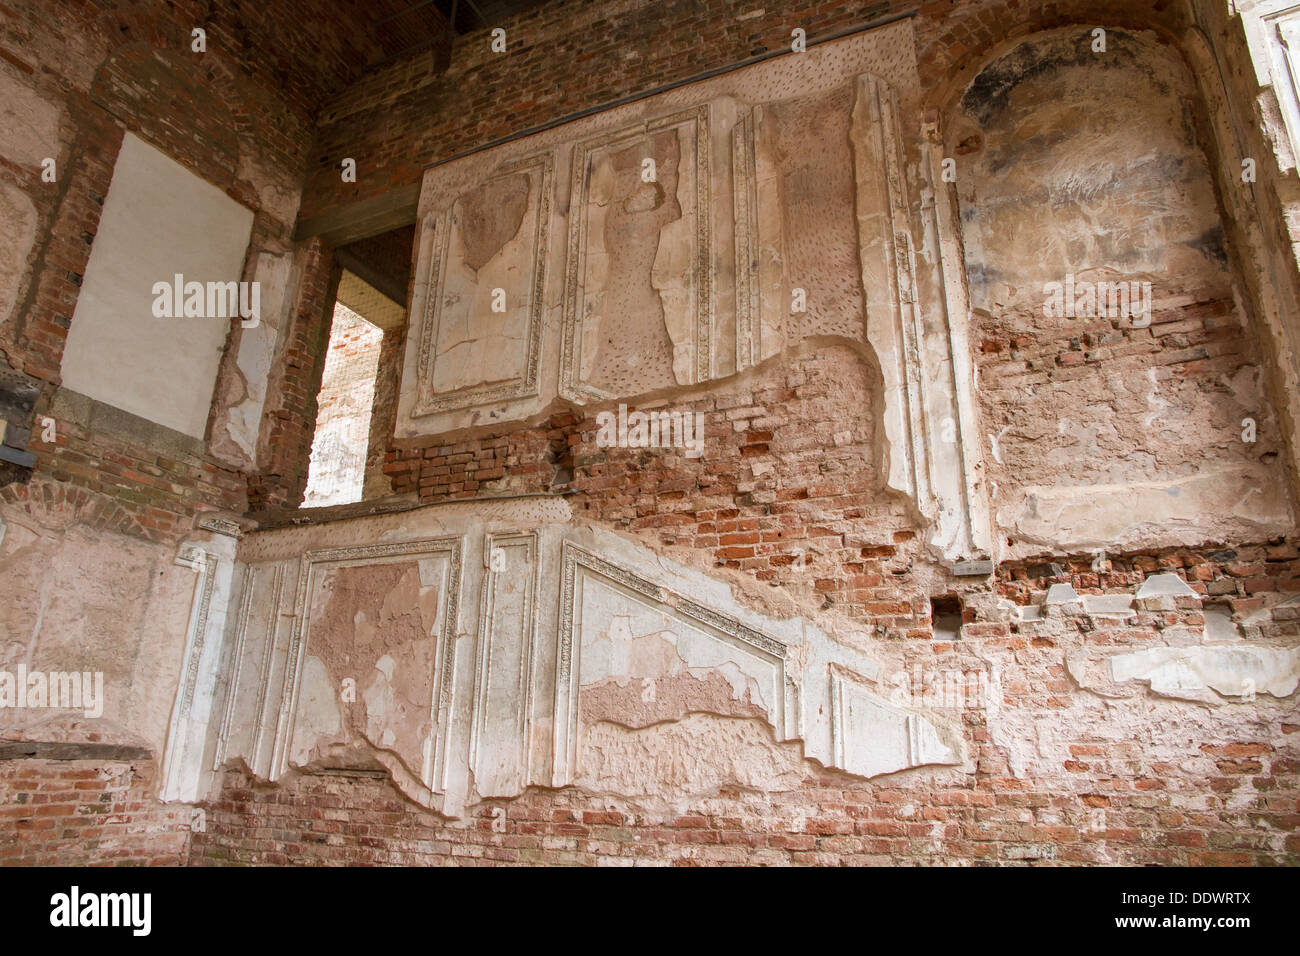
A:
<point x="96" y="416"/>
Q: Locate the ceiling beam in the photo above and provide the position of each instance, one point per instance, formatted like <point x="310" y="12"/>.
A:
<point x="363" y="218"/>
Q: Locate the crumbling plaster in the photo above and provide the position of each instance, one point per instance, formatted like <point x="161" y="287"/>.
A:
<point x="84" y="598"/>
<point x="749" y="218"/>
<point x="1092" y="439"/>
<point x="497" y="646"/>
<point x="473" y="649"/>
<point x="640" y="695"/>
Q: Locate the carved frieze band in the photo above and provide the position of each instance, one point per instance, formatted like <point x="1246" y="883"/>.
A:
<point x="501" y="725"/>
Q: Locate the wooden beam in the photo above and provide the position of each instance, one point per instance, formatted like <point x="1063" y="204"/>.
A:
<point x="363" y="218"/>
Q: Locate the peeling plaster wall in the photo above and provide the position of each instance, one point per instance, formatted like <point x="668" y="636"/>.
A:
<point x="89" y="537"/>
<point x="816" y="470"/>
<point x="652" y="658"/>
<point x="88" y="594"/>
<point x="1105" y="709"/>
<point x="76" y="81"/>
<point x="1077" y="755"/>
<point x="474" y="650"/>
<point x="683" y="239"/>
<point x="1247" y="89"/>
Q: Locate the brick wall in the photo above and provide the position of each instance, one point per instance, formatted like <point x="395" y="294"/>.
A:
<point x="1117" y="807"/>
<point x="289" y="419"/>
<point x="1242" y="579"/>
<point x="562" y="57"/>
<point x="1109" y="785"/>
<point x="72" y="213"/>
<point x="160" y="491"/>
<point x="383" y="415"/>
<point x="785" y="489"/>
<point x="239" y="114"/>
<point x="783" y="492"/>
<point x="440" y="470"/>
<point x="396" y="119"/>
<point x="88" y="812"/>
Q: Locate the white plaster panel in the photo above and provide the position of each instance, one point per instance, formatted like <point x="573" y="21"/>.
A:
<point x="159" y="220"/>
<point x="504" y="664"/>
<point x="1232" y="670"/>
<point x="874" y="737"/>
<point x="195" y="711"/>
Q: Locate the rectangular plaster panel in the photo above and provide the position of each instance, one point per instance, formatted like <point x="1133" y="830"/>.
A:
<point x="635" y="653"/>
<point x="159" y="221"/>
<point x="481" y="332"/>
<point x="873" y="737"/>
<point x="646" y="284"/>
<point x="382" y="616"/>
<point x="256" y="663"/>
<point x="762" y="293"/>
<point x="194" y="711"/>
<point x="499" y="735"/>
<point x="637" y="300"/>
<point x="1246" y="499"/>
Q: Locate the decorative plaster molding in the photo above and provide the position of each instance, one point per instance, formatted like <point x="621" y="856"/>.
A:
<point x="540" y="172"/>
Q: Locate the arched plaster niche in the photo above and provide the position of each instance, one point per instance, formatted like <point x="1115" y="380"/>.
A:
<point x="1107" y="425"/>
